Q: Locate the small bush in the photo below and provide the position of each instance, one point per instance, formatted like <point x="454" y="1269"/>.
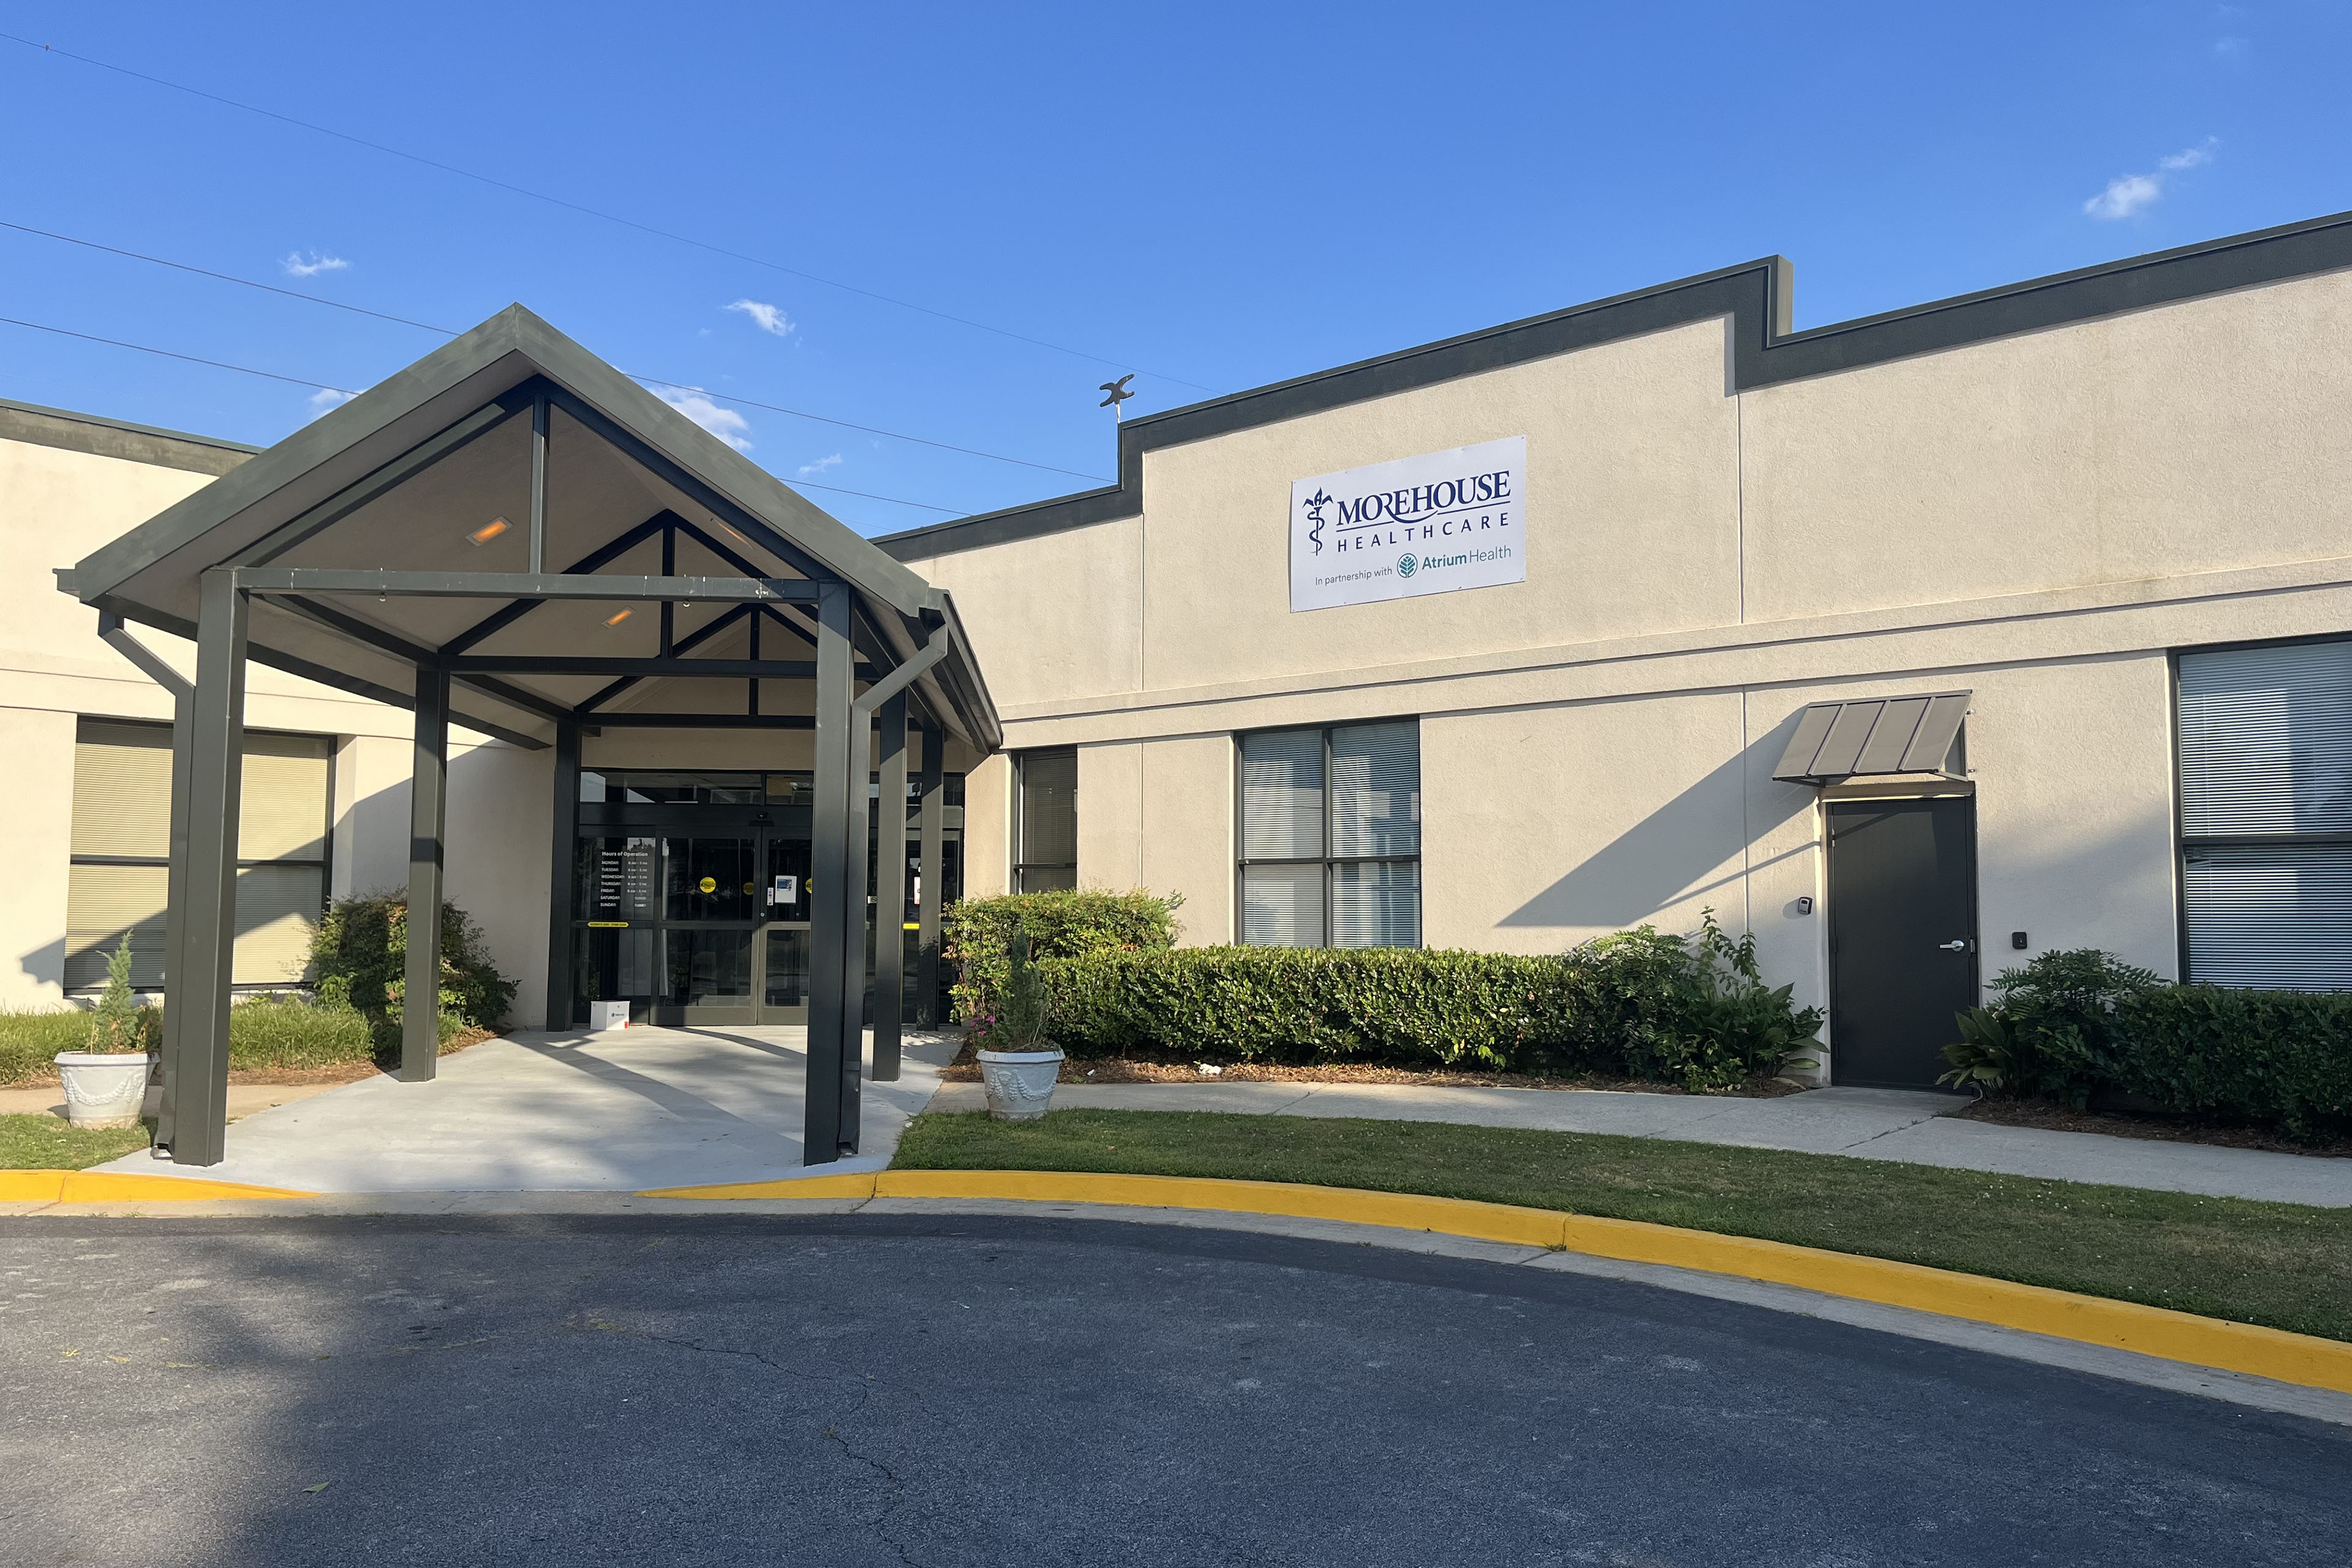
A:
<point x="1056" y="925"/>
<point x="361" y="952"/>
<point x="115" y="1023"/>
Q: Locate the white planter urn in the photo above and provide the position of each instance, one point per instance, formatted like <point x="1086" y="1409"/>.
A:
<point x="1019" y="1084"/>
<point x="104" y="1089"/>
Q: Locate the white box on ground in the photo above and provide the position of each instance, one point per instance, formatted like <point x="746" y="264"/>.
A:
<point x="603" y="1015"/>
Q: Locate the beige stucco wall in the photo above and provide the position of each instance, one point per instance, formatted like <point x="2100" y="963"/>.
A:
<point x="36" y="829"/>
<point x="57" y="505"/>
<point x="2037" y="519"/>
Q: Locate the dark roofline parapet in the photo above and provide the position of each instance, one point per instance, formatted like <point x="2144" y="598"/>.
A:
<point x="71" y="432"/>
<point x="1756" y="296"/>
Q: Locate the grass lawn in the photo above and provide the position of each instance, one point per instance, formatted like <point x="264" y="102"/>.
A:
<point x="44" y="1142"/>
<point x="2277" y="1264"/>
<point x="265" y="1034"/>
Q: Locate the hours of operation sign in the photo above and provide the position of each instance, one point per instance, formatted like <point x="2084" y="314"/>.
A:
<point x="1418" y="525"/>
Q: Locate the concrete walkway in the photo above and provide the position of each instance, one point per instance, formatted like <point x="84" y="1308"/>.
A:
<point x="1868" y="1123"/>
<point x="537" y="1112"/>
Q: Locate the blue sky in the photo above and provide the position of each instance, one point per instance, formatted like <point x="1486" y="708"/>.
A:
<point x="1213" y="196"/>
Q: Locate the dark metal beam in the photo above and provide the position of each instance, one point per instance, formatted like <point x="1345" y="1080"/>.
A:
<point x="660" y="464"/>
<point x="582" y="664"/>
<point x="428" y="817"/>
<point x="705" y="720"/>
<point x="200" y="972"/>
<point x="563" y="869"/>
<point x="415" y="460"/>
<point x="538" y="556"/>
<point x="175" y="878"/>
<point x="543" y="585"/>
<point x="418" y="656"/>
<point x="890" y="889"/>
<point x="612" y="549"/>
<point x="830" y="999"/>
<point x="930" y="883"/>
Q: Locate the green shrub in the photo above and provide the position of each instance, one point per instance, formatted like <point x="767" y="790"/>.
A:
<point x="2279" y="1059"/>
<point x="2079" y="1022"/>
<point x="115" y="1023"/>
<point x="1070" y="924"/>
<point x="361" y="952"/>
<point x="1640" y="1005"/>
<point x="1020" y="1023"/>
<point x="2050" y="1029"/>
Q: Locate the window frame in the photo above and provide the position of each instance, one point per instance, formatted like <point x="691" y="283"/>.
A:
<point x="1328" y="860"/>
<point x="324" y="863"/>
<point x="2182" y="840"/>
<point x="1021" y="761"/>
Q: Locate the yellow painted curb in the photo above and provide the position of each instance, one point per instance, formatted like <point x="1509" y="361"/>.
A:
<point x="2301" y="1359"/>
<point x="120" y="1186"/>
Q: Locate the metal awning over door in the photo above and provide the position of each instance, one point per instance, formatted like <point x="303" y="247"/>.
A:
<point x="1877" y="735"/>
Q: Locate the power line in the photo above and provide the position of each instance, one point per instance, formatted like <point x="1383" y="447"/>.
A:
<point x="347" y="392"/>
<point x="596" y="213"/>
<point x="451" y="331"/>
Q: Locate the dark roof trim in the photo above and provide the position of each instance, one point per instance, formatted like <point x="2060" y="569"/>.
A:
<point x="68" y="432"/>
<point x="1764" y="353"/>
<point x="1838" y="741"/>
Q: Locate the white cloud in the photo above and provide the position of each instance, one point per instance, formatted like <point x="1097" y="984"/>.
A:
<point x="297" y="265"/>
<point x="327" y="397"/>
<point x="724" y="423"/>
<point x="811" y="470"/>
<point x="769" y="318"/>
<point x="2128" y="194"/>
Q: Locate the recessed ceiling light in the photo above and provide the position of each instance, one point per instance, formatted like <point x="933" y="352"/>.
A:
<point x="489" y="531"/>
<point x="617" y="616"/>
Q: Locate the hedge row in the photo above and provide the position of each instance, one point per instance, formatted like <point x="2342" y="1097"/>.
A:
<point x="1640" y="1005"/>
<point x="2079" y="1024"/>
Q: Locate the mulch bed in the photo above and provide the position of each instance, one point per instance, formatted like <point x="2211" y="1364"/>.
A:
<point x="1127" y="1069"/>
<point x="2056" y="1118"/>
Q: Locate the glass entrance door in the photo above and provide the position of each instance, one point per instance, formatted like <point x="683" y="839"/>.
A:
<point x="691" y="899"/>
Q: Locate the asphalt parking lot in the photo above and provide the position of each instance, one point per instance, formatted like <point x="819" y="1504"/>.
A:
<point x="966" y="1390"/>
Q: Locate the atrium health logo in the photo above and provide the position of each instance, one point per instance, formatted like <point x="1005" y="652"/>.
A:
<point x="1407" y="564"/>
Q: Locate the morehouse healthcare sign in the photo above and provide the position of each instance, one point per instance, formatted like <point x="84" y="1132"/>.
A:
<point x="1419" y="525"/>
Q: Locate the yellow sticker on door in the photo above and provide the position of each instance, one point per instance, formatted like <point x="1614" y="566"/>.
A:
<point x="709" y="884"/>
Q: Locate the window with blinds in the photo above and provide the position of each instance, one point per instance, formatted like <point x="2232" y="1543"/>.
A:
<point x="1045" y="820"/>
<point x="2266" y="748"/>
<point x="122" y="843"/>
<point x="1331" y="838"/>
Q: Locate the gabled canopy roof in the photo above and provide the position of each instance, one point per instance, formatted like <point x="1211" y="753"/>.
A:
<point x="431" y="471"/>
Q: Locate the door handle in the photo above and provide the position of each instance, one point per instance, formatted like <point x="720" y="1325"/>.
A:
<point x="1959" y="946"/>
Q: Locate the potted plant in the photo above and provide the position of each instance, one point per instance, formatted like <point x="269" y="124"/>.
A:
<point x="1018" y="1064"/>
<point x="106" y="1085"/>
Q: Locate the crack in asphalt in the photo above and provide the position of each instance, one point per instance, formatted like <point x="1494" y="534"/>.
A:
<point x="864" y="1390"/>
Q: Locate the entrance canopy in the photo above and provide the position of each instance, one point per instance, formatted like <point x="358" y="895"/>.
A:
<point x="512" y="535"/>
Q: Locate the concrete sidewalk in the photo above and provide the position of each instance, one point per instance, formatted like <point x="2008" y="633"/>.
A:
<point x="537" y="1112"/>
<point x="1900" y="1125"/>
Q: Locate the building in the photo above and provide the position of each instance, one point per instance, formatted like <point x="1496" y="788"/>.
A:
<point x="1917" y="645"/>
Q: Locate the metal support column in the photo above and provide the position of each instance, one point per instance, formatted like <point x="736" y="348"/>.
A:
<point x="890" y="889"/>
<point x="563" y="870"/>
<point x="202" y="966"/>
<point x="858" y="969"/>
<point x="930" y="881"/>
<point x="828" y="875"/>
<point x="428" y="812"/>
<point x="175" y="878"/>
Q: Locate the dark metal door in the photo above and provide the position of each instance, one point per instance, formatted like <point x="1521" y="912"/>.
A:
<point x="1902" y="936"/>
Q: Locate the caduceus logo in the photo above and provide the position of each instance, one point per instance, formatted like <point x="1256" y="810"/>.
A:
<point x="1315" y="505"/>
